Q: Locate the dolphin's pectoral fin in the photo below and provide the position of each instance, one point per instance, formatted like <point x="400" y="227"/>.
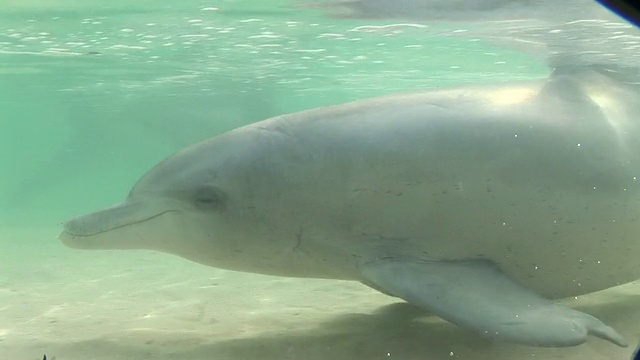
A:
<point x="477" y="295"/>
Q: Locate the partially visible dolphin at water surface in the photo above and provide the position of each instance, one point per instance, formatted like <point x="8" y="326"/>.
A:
<point x="476" y="203"/>
<point x="457" y="10"/>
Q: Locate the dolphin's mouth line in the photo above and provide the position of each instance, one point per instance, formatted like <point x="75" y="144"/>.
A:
<point x="118" y="226"/>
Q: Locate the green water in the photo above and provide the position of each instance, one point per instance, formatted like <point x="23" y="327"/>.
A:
<point x="92" y="95"/>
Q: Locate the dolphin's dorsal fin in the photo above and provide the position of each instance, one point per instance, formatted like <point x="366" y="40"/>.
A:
<point x="597" y="88"/>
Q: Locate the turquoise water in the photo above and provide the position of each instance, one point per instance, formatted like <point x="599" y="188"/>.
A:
<point x="91" y="98"/>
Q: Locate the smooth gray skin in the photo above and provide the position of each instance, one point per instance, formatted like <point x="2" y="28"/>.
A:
<point x="447" y="194"/>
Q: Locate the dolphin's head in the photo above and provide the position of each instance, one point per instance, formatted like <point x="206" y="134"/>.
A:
<point x="216" y="203"/>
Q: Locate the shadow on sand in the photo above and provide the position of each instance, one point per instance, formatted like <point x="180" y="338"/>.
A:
<point x="395" y="331"/>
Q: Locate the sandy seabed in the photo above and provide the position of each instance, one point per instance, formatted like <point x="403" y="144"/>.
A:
<point x="134" y="305"/>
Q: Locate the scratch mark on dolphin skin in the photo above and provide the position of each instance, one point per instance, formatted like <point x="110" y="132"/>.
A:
<point x="298" y="240"/>
<point x="277" y="129"/>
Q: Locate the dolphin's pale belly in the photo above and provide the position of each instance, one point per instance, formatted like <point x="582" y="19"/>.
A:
<point x="558" y="243"/>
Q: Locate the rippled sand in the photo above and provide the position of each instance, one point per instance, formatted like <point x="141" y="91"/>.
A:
<point x="94" y="305"/>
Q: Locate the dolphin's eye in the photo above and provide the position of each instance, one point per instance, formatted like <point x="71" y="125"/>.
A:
<point x="210" y="197"/>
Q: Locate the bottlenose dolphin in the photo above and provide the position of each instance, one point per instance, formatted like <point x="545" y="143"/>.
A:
<point x="477" y="203"/>
<point x="560" y="33"/>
